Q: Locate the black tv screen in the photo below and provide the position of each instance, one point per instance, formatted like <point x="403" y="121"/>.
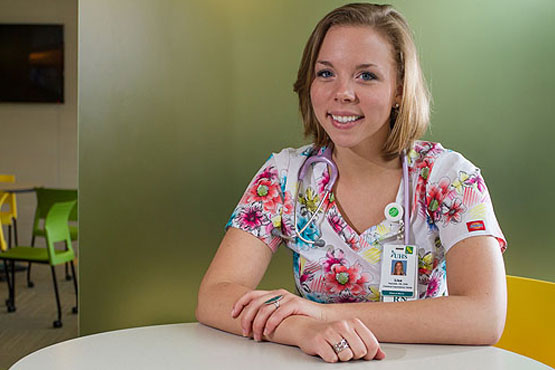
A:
<point x="32" y="63"/>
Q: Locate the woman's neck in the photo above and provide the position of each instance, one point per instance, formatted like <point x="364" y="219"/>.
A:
<point x="363" y="162"/>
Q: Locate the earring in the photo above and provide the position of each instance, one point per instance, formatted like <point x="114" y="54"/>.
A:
<point x="393" y="115"/>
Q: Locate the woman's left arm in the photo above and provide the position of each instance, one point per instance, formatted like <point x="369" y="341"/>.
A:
<point x="473" y="313"/>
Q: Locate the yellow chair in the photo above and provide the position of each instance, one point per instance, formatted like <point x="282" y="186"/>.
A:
<point x="9" y="216"/>
<point x="3" y="246"/>
<point x="530" y="327"/>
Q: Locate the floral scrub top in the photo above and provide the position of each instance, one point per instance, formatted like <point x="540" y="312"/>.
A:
<point x="449" y="202"/>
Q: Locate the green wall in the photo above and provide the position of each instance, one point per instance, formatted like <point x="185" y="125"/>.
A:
<point x="181" y="102"/>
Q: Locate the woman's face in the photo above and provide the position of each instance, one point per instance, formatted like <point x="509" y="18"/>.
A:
<point x="398" y="268"/>
<point x="355" y="86"/>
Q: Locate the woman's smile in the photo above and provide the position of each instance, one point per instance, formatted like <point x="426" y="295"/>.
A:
<point x="344" y="122"/>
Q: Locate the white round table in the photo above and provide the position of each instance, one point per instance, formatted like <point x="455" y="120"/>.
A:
<point x="195" y="346"/>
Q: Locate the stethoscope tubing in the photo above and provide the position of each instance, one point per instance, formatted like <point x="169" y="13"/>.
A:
<point x="326" y="158"/>
<point x="406" y="199"/>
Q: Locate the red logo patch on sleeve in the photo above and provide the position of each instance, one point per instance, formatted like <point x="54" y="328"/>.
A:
<point x="475" y="226"/>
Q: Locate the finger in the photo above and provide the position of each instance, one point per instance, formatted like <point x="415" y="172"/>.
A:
<point x="244" y="301"/>
<point x="248" y="314"/>
<point x="326" y="352"/>
<point x="260" y="320"/>
<point x="287" y="308"/>
<point x="241" y="302"/>
<point x="335" y="338"/>
<point x="372" y="345"/>
<point x="355" y="343"/>
<point x="250" y="311"/>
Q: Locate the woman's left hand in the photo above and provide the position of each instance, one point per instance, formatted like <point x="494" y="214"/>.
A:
<point x="261" y="319"/>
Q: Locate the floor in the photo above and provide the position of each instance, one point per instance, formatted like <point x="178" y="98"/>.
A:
<point x="30" y="327"/>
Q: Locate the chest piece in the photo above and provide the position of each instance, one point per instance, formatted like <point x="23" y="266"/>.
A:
<point x="393" y="212"/>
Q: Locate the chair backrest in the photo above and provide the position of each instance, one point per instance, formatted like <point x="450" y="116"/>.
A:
<point x="12" y="210"/>
<point x="57" y="230"/>
<point x="530" y="325"/>
<point x="46" y="197"/>
<point x="3" y="246"/>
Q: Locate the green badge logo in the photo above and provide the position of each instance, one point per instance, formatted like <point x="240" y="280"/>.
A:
<point x="408" y="250"/>
<point x="393" y="212"/>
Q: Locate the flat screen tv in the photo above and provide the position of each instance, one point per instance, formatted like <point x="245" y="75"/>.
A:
<point x="32" y="63"/>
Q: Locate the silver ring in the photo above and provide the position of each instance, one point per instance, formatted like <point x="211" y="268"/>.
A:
<point x="342" y="345"/>
<point x="276" y="303"/>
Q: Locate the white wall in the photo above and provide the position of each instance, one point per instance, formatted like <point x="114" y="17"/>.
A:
<point x="38" y="142"/>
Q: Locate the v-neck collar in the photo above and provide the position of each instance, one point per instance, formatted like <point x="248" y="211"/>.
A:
<point x="384" y="229"/>
<point x="398" y="199"/>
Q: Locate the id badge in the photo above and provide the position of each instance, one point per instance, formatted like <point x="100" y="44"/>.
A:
<point x="399" y="273"/>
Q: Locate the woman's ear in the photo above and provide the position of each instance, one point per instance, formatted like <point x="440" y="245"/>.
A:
<point x="399" y="94"/>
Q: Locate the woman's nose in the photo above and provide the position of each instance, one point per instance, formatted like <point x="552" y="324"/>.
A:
<point x="345" y="93"/>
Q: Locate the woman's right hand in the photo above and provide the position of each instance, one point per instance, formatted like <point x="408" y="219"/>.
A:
<point x="318" y="338"/>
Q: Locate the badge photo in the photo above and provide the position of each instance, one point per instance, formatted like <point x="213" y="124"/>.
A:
<point x="399" y="273"/>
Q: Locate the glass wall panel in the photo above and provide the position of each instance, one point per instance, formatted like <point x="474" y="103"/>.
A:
<point x="181" y="102"/>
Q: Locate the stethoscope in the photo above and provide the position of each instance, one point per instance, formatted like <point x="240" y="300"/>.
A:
<point x="393" y="211"/>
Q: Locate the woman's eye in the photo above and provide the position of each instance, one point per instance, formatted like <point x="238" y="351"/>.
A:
<point x="324" y="73"/>
<point x="368" y="76"/>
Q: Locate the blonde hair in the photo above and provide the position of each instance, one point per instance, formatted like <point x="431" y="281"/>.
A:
<point x="410" y="120"/>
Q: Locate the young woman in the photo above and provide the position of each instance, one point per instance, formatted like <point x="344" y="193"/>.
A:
<point x="398" y="268"/>
<point x="363" y="100"/>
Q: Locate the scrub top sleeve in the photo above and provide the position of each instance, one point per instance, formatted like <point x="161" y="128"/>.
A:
<point x="259" y="210"/>
<point x="458" y="202"/>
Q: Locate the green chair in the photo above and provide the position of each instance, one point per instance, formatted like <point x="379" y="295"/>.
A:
<point x="46" y="197"/>
<point x="56" y="230"/>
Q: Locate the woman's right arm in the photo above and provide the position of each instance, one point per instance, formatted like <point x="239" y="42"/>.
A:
<point x="237" y="268"/>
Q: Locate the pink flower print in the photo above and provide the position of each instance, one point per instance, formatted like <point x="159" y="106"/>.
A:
<point x="287" y="204"/>
<point x="420" y="191"/>
<point x="324" y="180"/>
<point x="267" y="192"/>
<point x="476" y="181"/>
<point x="334" y="257"/>
<point x="428" y="148"/>
<point x="433" y="286"/>
<point x="268" y="173"/>
<point x="328" y="201"/>
<point x="346" y="297"/>
<point x="412" y="170"/>
<point x="306" y="277"/>
<point x="435" y="197"/>
<point x="419" y="147"/>
<point x="502" y="243"/>
<point x="336" y="221"/>
<point x="268" y="228"/>
<point x="423" y="168"/>
<point x="342" y="278"/>
<point x="251" y="217"/>
<point x="352" y="241"/>
<point x="454" y="212"/>
<point x="434" y="149"/>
